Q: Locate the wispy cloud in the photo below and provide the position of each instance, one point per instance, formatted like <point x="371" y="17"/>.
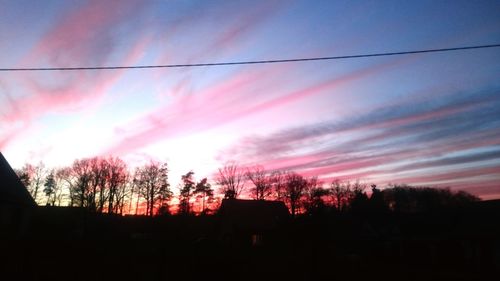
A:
<point x="82" y="37"/>
<point x="242" y="94"/>
<point x="383" y="143"/>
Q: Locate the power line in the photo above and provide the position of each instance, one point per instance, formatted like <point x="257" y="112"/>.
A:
<point x="253" y="62"/>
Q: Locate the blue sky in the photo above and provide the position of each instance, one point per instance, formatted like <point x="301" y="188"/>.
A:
<point x="428" y="119"/>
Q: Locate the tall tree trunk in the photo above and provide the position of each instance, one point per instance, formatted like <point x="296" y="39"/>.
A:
<point x="130" y="201"/>
<point x="137" y="203"/>
<point x="37" y="186"/>
<point x="152" y="200"/>
<point x="110" y="200"/>
<point x="82" y="197"/>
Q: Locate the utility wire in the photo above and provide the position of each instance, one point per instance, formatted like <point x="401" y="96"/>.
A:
<point x="254" y="62"/>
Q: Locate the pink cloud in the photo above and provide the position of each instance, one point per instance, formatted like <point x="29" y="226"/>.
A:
<point x="185" y="113"/>
<point x="224" y="102"/>
<point x="389" y="142"/>
<point x="246" y="23"/>
<point x="317" y="164"/>
<point x="80" y="91"/>
<point x="228" y="39"/>
<point x="77" y="37"/>
<point x="289" y="162"/>
<point x="449" y="175"/>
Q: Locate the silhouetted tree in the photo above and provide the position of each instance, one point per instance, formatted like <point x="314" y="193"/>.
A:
<point x="314" y="200"/>
<point x="49" y="187"/>
<point x="137" y="187"/>
<point x="124" y="195"/>
<point x="67" y="178"/>
<point x="82" y="173"/>
<point x="163" y="210"/>
<point x="377" y="202"/>
<point x="164" y="197"/>
<point x="25" y="174"/>
<point x="278" y="179"/>
<point x="340" y="194"/>
<point x="60" y="188"/>
<point x="295" y="188"/>
<point x="186" y="192"/>
<point x="33" y="177"/>
<point x="205" y="192"/>
<point x="152" y="183"/>
<point x="404" y="198"/>
<point x="463" y="198"/>
<point x="262" y="181"/>
<point x="358" y="200"/>
<point x="231" y="179"/>
<point x="97" y="194"/>
<point x="117" y="176"/>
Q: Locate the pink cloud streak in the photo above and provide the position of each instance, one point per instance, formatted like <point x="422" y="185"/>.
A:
<point x="224" y="102"/>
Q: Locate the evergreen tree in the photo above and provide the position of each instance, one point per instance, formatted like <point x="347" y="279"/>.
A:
<point x="186" y="192"/>
<point x="49" y="186"/>
<point x="205" y="192"/>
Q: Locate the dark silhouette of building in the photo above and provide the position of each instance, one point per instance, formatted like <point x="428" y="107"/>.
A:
<point x="16" y="204"/>
<point x="12" y="191"/>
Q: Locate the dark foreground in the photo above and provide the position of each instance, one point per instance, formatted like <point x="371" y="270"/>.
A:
<point x="70" y="244"/>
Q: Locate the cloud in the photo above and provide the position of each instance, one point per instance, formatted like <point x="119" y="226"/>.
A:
<point x="239" y="95"/>
<point x="452" y="113"/>
<point x="186" y="113"/>
<point x="440" y="134"/>
<point x="222" y="31"/>
<point x="81" y="37"/>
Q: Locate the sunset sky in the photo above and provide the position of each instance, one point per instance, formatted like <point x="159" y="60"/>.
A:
<point x="425" y="119"/>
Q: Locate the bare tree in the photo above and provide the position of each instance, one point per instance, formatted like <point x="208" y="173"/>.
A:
<point x="340" y="194"/>
<point x="295" y="188"/>
<point x="82" y="173"/>
<point x="358" y="187"/>
<point x="33" y="177"/>
<point x="262" y="181"/>
<point x="117" y="175"/>
<point x="97" y="195"/>
<point x="231" y="179"/>
<point x="123" y="195"/>
<point x="137" y="187"/>
<point x="314" y="195"/>
<point x="153" y="186"/>
<point x="278" y="179"/>
<point x="130" y="186"/>
<point x="60" y="187"/>
<point x="25" y="174"/>
<point x="66" y="177"/>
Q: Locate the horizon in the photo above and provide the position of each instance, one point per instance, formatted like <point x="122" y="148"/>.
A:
<point x="421" y="119"/>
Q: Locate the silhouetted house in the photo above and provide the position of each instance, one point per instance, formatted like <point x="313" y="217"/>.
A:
<point x="250" y="222"/>
<point x="16" y="204"/>
<point x="12" y="191"/>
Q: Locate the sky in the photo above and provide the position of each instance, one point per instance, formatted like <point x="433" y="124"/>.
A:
<point x="425" y="119"/>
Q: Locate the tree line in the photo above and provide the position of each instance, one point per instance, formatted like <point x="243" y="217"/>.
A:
<point x="108" y="185"/>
